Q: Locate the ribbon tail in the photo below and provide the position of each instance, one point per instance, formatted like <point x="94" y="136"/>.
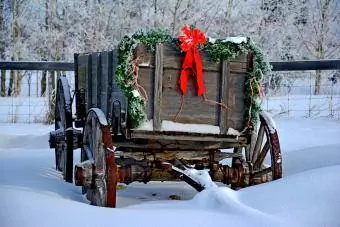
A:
<point x="186" y="67"/>
<point x="199" y="73"/>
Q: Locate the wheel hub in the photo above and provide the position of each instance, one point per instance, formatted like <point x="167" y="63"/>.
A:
<point x="84" y="174"/>
<point x="239" y="175"/>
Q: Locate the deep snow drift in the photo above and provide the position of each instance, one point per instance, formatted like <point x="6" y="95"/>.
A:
<point x="33" y="194"/>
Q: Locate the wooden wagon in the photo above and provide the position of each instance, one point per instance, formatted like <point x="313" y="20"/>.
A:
<point x="182" y="137"/>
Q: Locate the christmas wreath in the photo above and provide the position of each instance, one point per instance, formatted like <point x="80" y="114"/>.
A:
<point x="191" y="41"/>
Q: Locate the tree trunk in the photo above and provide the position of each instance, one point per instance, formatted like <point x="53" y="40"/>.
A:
<point x="2" y="50"/>
<point x="15" y="78"/>
<point x="43" y="83"/>
<point x="174" y="21"/>
<point x="317" y="87"/>
<point x="155" y="14"/>
<point x="3" y="83"/>
<point x="229" y="9"/>
<point x="11" y="83"/>
<point x="320" y="47"/>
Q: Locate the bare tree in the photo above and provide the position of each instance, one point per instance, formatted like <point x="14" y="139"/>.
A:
<point x="320" y="33"/>
<point x="2" y="48"/>
<point x="14" y="81"/>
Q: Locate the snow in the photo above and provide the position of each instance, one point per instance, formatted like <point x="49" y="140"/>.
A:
<point x="23" y="109"/>
<point x="269" y="120"/>
<point x="33" y="193"/>
<point x="180" y="127"/>
<point x="236" y="39"/>
<point x="135" y="93"/>
<point x="233" y="132"/>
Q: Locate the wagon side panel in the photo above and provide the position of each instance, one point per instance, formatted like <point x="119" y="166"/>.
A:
<point x="224" y="82"/>
<point x="95" y="75"/>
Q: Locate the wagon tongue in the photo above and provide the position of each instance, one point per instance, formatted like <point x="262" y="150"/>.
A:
<point x="198" y="179"/>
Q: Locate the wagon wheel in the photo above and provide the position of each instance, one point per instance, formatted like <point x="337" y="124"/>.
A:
<point x="263" y="161"/>
<point x="98" y="148"/>
<point x="63" y="121"/>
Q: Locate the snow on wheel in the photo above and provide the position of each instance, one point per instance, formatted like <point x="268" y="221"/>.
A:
<point x="63" y="122"/>
<point x="266" y="154"/>
<point x="97" y="171"/>
<point x="262" y="159"/>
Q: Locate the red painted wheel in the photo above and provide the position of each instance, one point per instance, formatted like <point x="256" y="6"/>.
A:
<point x="262" y="160"/>
<point x="63" y="121"/>
<point x="99" y="150"/>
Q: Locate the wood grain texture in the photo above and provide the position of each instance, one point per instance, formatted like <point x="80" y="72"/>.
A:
<point x="157" y="123"/>
<point x="94" y="80"/>
<point x="236" y="98"/>
<point x="147" y="81"/>
<point x="104" y="82"/>
<point x="194" y="110"/>
<point x="224" y="99"/>
<point x="224" y="82"/>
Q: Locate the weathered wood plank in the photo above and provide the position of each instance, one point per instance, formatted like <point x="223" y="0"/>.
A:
<point x="169" y="146"/>
<point x="173" y="59"/>
<point x="111" y="80"/>
<point x="82" y="69"/>
<point x="158" y="88"/>
<point x="186" y="155"/>
<point x="139" y="134"/>
<point x="94" y="79"/>
<point x="236" y="66"/>
<point x="146" y="80"/>
<point x="223" y="91"/>
<point x="88" y="84"/>
<point x="236" y="98"/>
<point x="194" y="108"/>
<point x="103" y="85"/>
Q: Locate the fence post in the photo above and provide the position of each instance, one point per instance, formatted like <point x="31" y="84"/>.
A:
<point x="310" y="95"/>
<point x="331" y="101"/>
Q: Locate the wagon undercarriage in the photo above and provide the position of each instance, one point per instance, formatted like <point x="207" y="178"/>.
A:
<point x="103" y="165"/>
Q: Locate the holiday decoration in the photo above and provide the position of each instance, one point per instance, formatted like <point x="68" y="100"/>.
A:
<point x="191" y="42"/>
<point x="191" y="38"/>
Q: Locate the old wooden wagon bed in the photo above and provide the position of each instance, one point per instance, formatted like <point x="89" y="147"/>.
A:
<point x="134" y="121"/>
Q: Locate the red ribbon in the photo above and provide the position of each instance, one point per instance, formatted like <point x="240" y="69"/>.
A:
<point x="190" y="39"/>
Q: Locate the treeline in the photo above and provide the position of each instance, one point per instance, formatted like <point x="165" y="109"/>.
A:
<point x="53" y="30"/>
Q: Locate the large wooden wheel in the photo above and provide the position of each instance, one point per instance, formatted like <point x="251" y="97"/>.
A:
<point x="98" y="150"/>
<point x="63" y="122"/>
<point x="262" y="160"/>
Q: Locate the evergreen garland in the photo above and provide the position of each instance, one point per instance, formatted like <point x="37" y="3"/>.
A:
<point x="124" y="71"/>
<point x="218" y="50"/>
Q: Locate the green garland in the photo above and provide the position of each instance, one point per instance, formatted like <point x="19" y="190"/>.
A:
<point x="124" y="71"/>
<point x="218" y="50"/>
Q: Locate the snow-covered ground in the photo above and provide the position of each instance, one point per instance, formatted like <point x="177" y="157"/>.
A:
<point x="32" y="193"/>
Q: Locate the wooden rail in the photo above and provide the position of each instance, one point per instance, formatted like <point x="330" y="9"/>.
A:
<point x="41" y="65"/>
<point x="332" y="64"/>
<point x="306" y="65"/>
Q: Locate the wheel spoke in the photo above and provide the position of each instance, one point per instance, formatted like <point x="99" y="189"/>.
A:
<point x="88" y="153"/>
<point x="103" y="191"/>
<point x="258" y="143"/>
<point x="262" y="172"/>
<point x="247" y="153"/>
<point x="262" y="155"/>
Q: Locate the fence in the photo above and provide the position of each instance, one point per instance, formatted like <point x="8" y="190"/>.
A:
<point x="289" y="90"/>
<point x="292" y="94"/>
<point x="32" y="100"/>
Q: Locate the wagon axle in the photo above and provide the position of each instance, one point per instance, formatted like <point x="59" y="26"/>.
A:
<point x="58" y="138"/>
<point x="129" y="170"/>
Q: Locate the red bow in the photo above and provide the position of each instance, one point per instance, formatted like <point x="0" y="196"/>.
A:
<point x="190" y="39"/>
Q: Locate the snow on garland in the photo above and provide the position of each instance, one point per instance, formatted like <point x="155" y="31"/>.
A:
<point x="219" y="49"/>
